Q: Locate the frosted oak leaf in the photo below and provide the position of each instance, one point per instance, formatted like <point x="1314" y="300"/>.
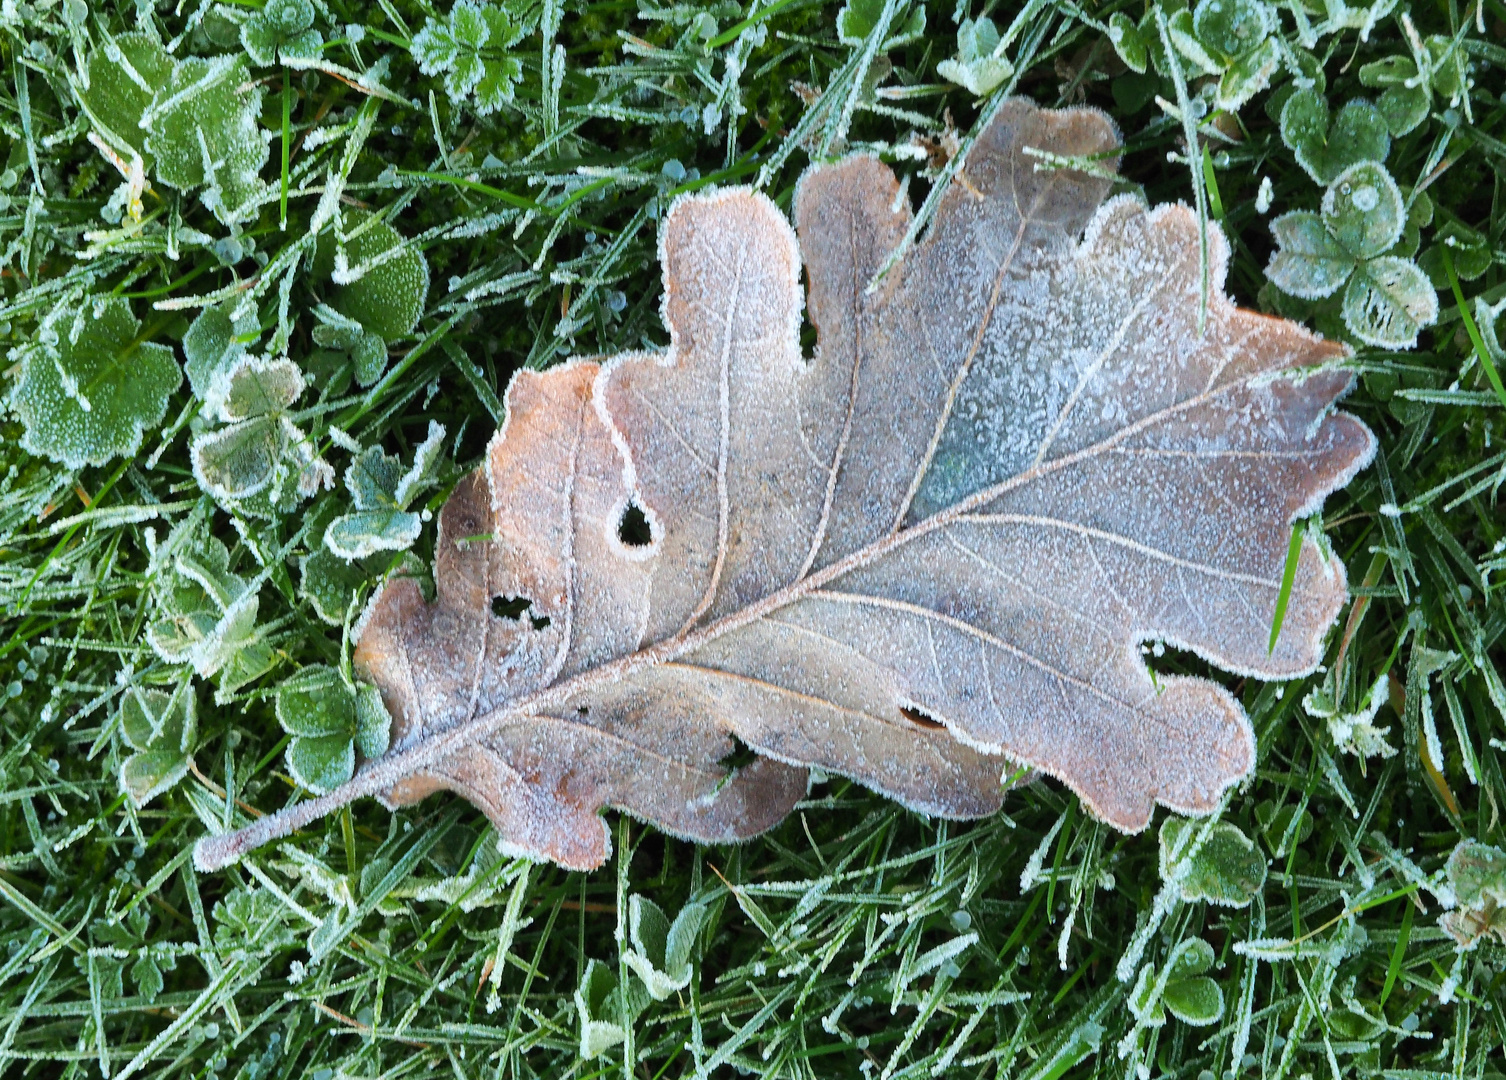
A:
<point x="926" y="553"/>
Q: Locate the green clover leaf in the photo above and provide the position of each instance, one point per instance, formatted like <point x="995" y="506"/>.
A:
<point x="330" y="720"/>
<point x="1388" y="298"/>
<point x="283" y="27"/>
<point x="1227" y="870"/>
<point x="380" y="281"/>
<point x="1388" y="301"/>
<point x="1128" y="42"/>
<point x="213" y="345"/>
<point x="1326" y="148"/>
<point x="161" y="729"/>
<point x="976" y="68"/>
<point x="382" y="493"/>
<point x="661" y="951"/>
<point x="1405" y="95"/>
<point x="857" y="19"/>
<point x="1363" y="210"/>
<point x="1233" y="28"/>
<point x="260" y="451"/>
<point x="205" y="614"/>
<point x="1181" y="988"/>
<point x="1308" y="261"/>
<point x="593" y="1001"/>
<point x="89" y="388"/>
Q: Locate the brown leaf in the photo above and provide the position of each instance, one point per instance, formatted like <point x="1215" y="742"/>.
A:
<point x="930" y="551"/>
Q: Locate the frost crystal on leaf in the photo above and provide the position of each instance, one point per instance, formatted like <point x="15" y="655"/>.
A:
<point x="925" y="554"/>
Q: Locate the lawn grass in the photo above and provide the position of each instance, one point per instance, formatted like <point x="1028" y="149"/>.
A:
<point x="856" y="939"/>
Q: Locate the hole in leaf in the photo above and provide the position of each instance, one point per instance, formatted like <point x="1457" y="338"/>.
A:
<point x="538" y="622"/>
<point x="510" y="607"/>
<point x="582" y="710"/>
<point x="633" y="529"/>
<point x="740" y="754"/>
<point x="920" y="719"/>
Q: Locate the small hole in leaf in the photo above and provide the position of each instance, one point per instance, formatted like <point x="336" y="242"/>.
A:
<point x="740" y="754"/>
<point x="920" y="719"/>
<point x="510" y="607"/>
<point x="633" y="529"/>
<point x="582" y="710"/>
<point x="538" y="622"/>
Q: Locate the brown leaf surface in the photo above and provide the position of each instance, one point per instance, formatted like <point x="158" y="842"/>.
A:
<point x="928" y="552"/>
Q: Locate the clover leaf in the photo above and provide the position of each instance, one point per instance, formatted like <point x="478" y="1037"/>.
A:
<point x="1237" y="36"/>
<point x="282" y="28"/>
<point x="593" y="1001"/>
<point x="857" y="19"/>
<point x="1181" y="988"/>
<point x="977" y="68"/>
<point x="380" y="280"/>
<point x="202" y="128"/>
<point x="1388" y="299"/>
<point x="1324" y="147"/>
<point x="661" y="951"/>
<point x="1405" y="95"/>
<point x="1227" y="870"/>
<point x="212" y="346"/>
<point x="330" y="719"/>
<point x="1469" y="250"/>
<point x="89" y="388"/>
<point x="124" y="75"/>
<point x="160" y="728"/>
<point x="1129" y="42"/>
<point x="382" y="493"/>
<point x="367" y="350"/>
<point x="205" y="615"/>
<point x="260" y="452"/>
<point x="1477" y="874"/>
<point x="469" y="49"/>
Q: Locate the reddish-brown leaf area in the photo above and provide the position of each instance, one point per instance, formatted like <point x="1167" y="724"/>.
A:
<point x="924" y="555"/>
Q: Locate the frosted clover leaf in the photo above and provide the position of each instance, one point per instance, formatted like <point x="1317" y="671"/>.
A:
<point x="1180" y="988"/>
<point x="382" y="493"/>
<point x="1326" y="148"/>
<point x="661" y="950"/>
<point x="367" y="350"/>
<point x="90" y="387"/>
<point x="1388" y="299"/>
<point x="1405" y="95"/>
<point x="1227" y="869"/>
<point x="204" y="614"/>
<point x="202" y="128"/>
<point x="282" y="28"/>
<point x="378" y="279"/>
<point x="260" y="451"/>
<point x="160" y="728"/>
<point x="1477" y="874"/>
<point x="469" y="49"/>
<point x="1355" y="732"/>
<point x="329" y="719"/>
<point x="212" y="346"/>
<point x="979" y="66"/>
<point x="1231" y="40"/>
<point x="599" y="1007"/>
<point x="858" y="18"/>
